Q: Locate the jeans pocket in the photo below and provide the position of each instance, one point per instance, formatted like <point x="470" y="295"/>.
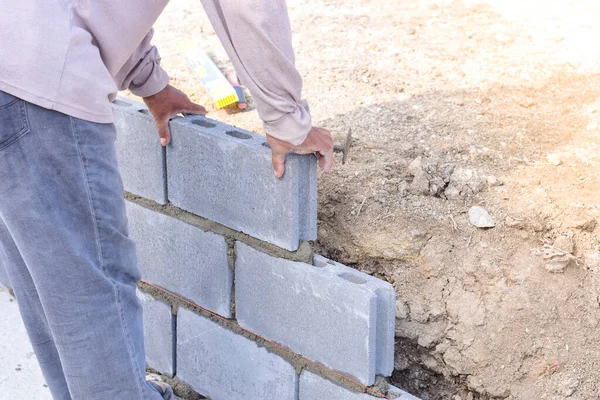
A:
<point x="13" y="119"/>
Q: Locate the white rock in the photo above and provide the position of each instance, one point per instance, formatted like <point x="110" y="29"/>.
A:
<point x="553" y="159"/>
<point x="493" y="181"/>
<point x="479" y="217"/>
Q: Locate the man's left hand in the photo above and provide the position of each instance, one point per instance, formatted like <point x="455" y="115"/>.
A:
<point x="167" y="103"/>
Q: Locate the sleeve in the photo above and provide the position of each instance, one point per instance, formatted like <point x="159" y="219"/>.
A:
<point x="256" y="34"/>
<point x="142" y="73"/>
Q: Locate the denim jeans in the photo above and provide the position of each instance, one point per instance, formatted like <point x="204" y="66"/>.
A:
<point x="64" y="241"/>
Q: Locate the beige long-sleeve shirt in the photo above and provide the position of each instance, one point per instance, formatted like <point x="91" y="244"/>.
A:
<point x="73" y="56"/>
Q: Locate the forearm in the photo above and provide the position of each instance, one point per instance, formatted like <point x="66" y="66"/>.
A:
<point x="142" y="73"/>
<point x="257" y="37"/>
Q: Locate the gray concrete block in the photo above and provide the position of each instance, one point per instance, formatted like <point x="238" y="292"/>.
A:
<point x="223" y="365"/>
<point x="182" y="258"/>
<point x="225" y="174"/>
<point x="314" y="387"/>
<point x="386" y="310"/>
<point x="141" y="157"/>
<point x="326" y="316"/>
<point x="158" y="334"/>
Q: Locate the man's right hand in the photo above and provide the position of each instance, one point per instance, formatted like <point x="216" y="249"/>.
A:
<point x="318" y="141"/>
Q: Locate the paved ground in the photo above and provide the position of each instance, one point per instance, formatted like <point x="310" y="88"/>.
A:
<point x="20" y="375"/>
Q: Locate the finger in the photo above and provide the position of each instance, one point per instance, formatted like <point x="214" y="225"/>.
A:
<point x="278" y="164"/>
<point x="194" y="109"/>
<point x="163" y="132"/>
<point x="328" y="156"/>
<point x="320" y="159"/>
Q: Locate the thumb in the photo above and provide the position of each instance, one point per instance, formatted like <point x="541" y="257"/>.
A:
<point x="194" y="109"/>
<point x="278" y="164"/>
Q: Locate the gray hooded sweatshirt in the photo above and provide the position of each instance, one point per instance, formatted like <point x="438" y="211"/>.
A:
<point x="73" y="56"/>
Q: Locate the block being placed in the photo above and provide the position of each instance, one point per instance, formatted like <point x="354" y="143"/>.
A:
<point x="158" y="334"/>
<point x="182" y="258"/>
<point x="315" y="387"/>
<point x="386" y="310"/>
<point x="225" y="174"/>
<point x="140" y="155"/>
<point x="327" y="313"/>
<point x="220" y="364"/>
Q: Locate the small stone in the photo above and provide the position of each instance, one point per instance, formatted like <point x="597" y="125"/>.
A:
<point x="467" y="181"/>
<point x="434" y="365"/>
<point x="415" y="166"/>
<point x="514" y="223"/>
<point x="557" y="257"/>
<point x="480" y="218"/>
<point x="553" y="159"/>
<point x="493" y="181"/>
<point x="401" y="309"/>
<point x="420" y="185"/>
<point x="564" y="243"/>
<point x="452" y="193"/>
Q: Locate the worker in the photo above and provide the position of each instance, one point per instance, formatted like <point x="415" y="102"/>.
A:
<point x="63" y="227"/>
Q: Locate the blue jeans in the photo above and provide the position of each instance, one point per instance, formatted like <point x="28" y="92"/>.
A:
<point x="64" y="241"/>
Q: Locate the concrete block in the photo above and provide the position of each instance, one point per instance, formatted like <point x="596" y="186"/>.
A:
<point x="223" y="365"/>
<point x="327" y="316"/>
<point x="141" y="157"/>
<point x="314" y="387"/>
<point x="386" y="310"/>
<point x="182" y="258"/>
<point x="225" y="174"/>
<point x="158" y="334"/>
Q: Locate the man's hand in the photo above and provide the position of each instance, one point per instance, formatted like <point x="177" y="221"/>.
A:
<point x="318" y="141"/>
<point x="167" y="103"/>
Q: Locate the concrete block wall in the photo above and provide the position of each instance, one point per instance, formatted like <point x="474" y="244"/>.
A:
<point x="236" y="304"/>
<point x="159" y="328"/>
